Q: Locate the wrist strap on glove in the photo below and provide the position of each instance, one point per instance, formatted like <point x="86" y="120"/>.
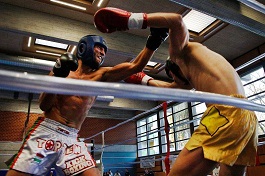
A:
<point x="137" y="21"/>
<point x="145" y="80"/>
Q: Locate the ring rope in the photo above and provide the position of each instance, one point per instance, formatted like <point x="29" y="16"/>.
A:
<point x="149" y="133"/>
<point x="38" y="83"/>
<point x="126" y="121"/>
<point x="137" y="162"/>
<point x="166" y="128"/>
<point x="101" y="156"/>
<point x="154" y="131"/>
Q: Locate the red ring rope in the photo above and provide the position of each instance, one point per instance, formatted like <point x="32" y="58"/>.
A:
<point x="167" y="165"/>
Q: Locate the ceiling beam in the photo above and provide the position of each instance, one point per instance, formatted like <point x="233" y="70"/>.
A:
<point x="31" y="22"/>
<point x="230" y="11"/>
<point x="18" y="105"/>
<point x="117" y="108"/>
<point x="126" y="104"/>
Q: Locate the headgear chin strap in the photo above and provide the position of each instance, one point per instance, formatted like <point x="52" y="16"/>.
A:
<point x="174" y="68"/>
<point x="85" y="50"/>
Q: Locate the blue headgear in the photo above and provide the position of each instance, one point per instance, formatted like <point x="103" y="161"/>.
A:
<point x="85" y="50"/>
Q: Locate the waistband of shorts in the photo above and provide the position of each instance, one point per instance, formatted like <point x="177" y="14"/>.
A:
<point x="57" y="126"/>
<point x="232" y="95"/>
<point x="238" y="96"/>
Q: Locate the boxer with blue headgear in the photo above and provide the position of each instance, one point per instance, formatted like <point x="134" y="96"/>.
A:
<point x="64" y="114"/>
<point x="85" y="50"/>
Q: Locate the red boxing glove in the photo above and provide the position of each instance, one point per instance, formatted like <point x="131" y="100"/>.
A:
<point x="109" y="19"/>
<point x="138" y="78"/>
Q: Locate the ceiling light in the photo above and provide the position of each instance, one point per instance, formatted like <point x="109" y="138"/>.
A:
<point x="69" y="4"/>
<point x="73" y="50"/>
<point x="29" y="42"/>
<point x="151" y="64"/>
<point x="197" y="21"/>
<point x="100" y="2"/>
<point x="105" y="98"/>
<point x="48" y="53"/>
<point x="51" y="44"/>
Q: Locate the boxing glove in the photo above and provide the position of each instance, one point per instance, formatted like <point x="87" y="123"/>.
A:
<point x="157" y="36"/>
<point x="138" y="78"/>
<point x="109" y="19"/>
<point x="64" y="64"/>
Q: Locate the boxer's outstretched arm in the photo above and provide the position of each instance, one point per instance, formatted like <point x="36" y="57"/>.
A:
<point x="142" y="78"/>
<point x="178" y="32"/>
<point x="122" y="71"/>
<point x="110" y="19"/>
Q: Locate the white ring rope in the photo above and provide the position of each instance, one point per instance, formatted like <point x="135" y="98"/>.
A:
<point x="101" y="155"/>
<point x="38" y="83"/>
<point x="126" y="121"/>
<point x="148" y="133"/>
<point x="138" y="162"/>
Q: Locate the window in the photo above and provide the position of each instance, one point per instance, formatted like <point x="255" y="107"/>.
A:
<point x="197" y="21"/>
<point x="182" y="128"/>
<point x="197" y="112"/>
<point x="179" y="133"/>
<point x="151" y="137"/>
<point x="254" y="85"/>
<point x="147" y="136"/>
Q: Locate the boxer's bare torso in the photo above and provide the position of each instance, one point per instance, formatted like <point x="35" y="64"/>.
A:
<point x="71" y="110"/>
<point x="208" y="71"/>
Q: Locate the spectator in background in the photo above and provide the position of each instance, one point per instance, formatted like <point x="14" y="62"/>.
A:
<point x="110" y="173"/>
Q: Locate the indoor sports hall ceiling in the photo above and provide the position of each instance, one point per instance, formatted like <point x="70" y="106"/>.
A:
<point x="238" y="33"/>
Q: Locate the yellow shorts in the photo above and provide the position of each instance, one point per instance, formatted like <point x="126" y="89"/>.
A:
<point x="227" y="135"/>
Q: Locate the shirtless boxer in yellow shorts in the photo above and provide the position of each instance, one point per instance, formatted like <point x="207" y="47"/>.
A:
<point x="227" y="134"/>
